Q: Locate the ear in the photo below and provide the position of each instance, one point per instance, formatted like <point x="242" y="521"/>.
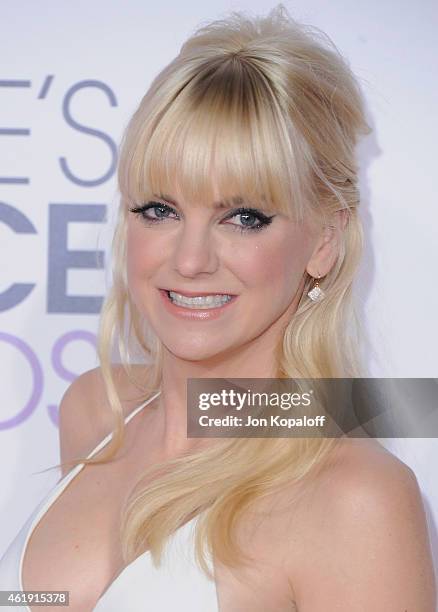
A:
<point x="327" y="246"/>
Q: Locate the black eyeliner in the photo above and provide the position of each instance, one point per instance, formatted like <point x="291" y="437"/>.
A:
<point x="252" y="211"/>
<point x="264" y="220"/>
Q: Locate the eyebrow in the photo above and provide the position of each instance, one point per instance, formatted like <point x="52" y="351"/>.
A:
<point x="235" y="200"/>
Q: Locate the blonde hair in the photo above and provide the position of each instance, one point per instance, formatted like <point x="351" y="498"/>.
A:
<point x="272" y="106"/>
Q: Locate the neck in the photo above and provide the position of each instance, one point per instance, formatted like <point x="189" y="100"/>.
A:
<point x="172" y="414"/>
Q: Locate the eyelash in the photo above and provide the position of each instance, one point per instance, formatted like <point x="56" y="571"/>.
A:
<point x="264" y="220"/>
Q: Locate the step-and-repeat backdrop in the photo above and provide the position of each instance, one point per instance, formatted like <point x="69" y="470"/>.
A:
<point x="71" y="74"/>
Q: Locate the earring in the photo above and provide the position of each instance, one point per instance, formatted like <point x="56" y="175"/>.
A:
<point x="316" y="294"/>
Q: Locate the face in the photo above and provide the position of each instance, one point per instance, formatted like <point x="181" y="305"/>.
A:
<point x="245" y="266"/>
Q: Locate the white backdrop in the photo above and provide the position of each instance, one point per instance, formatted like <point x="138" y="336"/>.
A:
<point x="71" y="74"/>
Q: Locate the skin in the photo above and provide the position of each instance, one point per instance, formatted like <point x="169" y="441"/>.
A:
<point x="197" y="248"/>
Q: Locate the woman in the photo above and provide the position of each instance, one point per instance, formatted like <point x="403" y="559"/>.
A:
<point x="237" y="244"/>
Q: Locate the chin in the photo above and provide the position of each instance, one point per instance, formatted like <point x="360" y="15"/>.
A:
<point x="195" y="351"/>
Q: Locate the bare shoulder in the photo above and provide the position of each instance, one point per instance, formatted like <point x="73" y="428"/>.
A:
<point x="363" y="467"/>
<point x="85" y="413"/>
<point x="363" y="536"/>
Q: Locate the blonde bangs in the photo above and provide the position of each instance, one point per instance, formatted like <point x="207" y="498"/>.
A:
<point x="224" y="133"/>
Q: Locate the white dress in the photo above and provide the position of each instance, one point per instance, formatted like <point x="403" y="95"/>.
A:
<point x="178" y="584"/>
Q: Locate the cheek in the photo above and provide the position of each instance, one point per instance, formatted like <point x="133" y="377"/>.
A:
<point x="275" y="265"/>
<point x="140" y="254"/>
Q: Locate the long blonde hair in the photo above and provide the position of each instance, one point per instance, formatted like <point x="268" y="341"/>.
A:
<point x="281" y="111"/>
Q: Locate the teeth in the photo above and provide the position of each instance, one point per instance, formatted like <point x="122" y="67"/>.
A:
<point x="201" y="301"/>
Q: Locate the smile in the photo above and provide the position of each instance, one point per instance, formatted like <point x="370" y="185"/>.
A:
<point x="199" y="301"/>
<point x="197" y="306"/>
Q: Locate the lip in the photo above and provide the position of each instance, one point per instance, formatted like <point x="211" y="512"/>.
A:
<point x="197" y="293"/>
<point x="207" y="314"/>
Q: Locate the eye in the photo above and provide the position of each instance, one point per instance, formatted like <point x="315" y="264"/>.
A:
<point x="251" y="219"/>
<point x="154" y="211"/>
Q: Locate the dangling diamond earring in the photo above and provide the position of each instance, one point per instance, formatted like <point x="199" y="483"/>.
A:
<point x="316" y="294"/>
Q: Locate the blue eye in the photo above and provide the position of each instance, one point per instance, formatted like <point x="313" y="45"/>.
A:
<point x="161" y="211"/>
<point x="251" y="219"/>
<point x="247" y="217"/>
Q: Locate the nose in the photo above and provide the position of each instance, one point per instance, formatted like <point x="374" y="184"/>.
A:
<point x="195" y="251"/>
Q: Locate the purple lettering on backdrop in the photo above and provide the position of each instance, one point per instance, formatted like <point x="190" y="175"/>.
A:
<point x="58" y="366"/>
<point x="37" y="373"/>
<point x="20" y="224"/>
<point x="61" y="259"/>
<point x="8" y="131"/>
<point x="88" y="130"/>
